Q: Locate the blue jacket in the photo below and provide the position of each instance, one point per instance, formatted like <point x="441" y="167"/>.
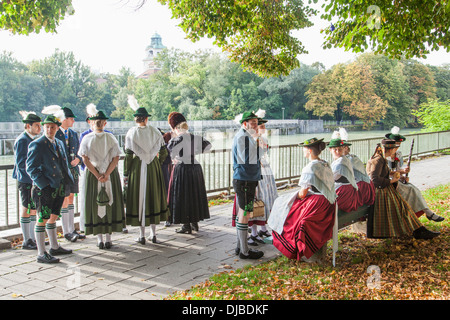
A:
<point x="246" y="157"/>
<point x="72" y="147"/>
<point x="20" y="158"/>
<point x="43" y="164"/>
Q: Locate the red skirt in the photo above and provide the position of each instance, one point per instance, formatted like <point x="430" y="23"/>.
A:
<point x="308" y="226"/>
<point x="347" y="198"/>
<point x="366" y="193"/>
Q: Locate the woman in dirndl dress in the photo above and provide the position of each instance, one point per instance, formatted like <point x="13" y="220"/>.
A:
<point x="302" y="221"/>
<point x="366" y="189"/>
<point x="392" y="217"/>
<point x="146" y="194"/>
<point x="188" y="203"/>
<point x="100" y="152"/>
<point x="344" y="179"/>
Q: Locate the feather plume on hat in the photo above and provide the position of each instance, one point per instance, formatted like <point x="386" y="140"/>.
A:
<point x="260" y="113"/>
<point x="91" y="110"/>
<point x="395" y="130"/>
<point x="238" y="118"/>
<point x="55" y="110"/>
<point x="343" y="133"/>
<point x="133" y="103"/>
<point x="24" y="114"/>
<point x="336" y="135"/>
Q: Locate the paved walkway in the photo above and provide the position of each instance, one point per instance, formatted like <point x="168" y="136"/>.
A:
<point x="151" y="271"/>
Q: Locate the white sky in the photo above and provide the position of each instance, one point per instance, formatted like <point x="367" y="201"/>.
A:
<point x="109" y="34"/>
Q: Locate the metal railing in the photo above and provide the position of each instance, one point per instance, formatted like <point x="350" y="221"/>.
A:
<point x="286" y="162"/>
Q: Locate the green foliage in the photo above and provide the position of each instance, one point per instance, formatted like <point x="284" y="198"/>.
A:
<point x="25" y="17"/>
<point x="397" y="29"/>
<point x="434" y="115"/>
<point x="255" y="33"/>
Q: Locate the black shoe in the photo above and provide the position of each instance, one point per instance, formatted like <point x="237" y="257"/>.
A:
<point x="264" y="234"/>
<point x="237" y="251"/>
<point x="59" y="251"/>
<point x="251" y="242"/>
<point x="184" y="229"/>
<point x="194" y="226"/>
<point x="424" y="233"/>
<point x="100" y="245"/>
<point x="434" y="217"/>
<point x="108" y="245"/>
<point x="140" y="240"/>
<point x="80" y="236"/>
<point x="72" y="237"/>
<point x="47" y="258"/>
<point x="167" y="224"/>
<point x="29" y="245"/>
<point x="154" y="240"/>
<point x="256" y="239"/>
<point x="252" y="254"/>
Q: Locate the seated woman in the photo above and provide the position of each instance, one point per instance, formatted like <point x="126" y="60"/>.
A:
<point x="366" y="189"/>
<point x="392" y="217"/>
<point x="344" y="180"/>
<point x="302" y="221"/>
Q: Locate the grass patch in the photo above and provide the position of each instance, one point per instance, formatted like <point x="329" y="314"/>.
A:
<point x="409" y="269"/>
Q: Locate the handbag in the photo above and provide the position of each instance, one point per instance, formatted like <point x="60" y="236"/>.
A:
<point x="258" y="209"/>
<point x="102" y="197"/>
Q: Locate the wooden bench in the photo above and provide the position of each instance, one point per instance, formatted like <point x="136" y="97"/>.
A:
<point x="345" y="219"/>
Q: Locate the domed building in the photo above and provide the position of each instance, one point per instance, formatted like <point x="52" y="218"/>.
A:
<point x="151" y="51"/>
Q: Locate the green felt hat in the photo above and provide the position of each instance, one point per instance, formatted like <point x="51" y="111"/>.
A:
<point x="334" y="143"/>
<point x="395" y="135"/>
<point x="248" y="115"/>
<point x="390" y="143"/>
<point x="68" y="113"/>
<point x="51" y="119"/>
<point x="310" y="142"/>
<point x="141" y="112"/>
<point x="31" y="118"/>
<point x="99" y="116"/>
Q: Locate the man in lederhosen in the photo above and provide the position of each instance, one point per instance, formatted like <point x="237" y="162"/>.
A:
<point x="71" y="142"/>
<point x="246" y="155"/>
<point x="32" y="124"/>
<point x="48" y="168"/>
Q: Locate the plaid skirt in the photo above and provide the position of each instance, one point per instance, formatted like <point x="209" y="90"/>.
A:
<point x="392" y="216"/>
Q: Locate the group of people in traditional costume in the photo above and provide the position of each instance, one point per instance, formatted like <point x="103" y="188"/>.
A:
<point x="302" y="221"/>
<point x="163" y="181"/>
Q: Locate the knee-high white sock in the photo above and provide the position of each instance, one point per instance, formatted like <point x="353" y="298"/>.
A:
<point x="52" y="237"/>
<point x="65" y="220"/>
<point x="32" y="226"/>
<point x="40" y="239"/>
<point x="99" y="238"/>
<point x="71" y="215"/>
<point x="25" y="226"/>
<point x="242" y="234"/>
<point x="254" y="230"/>
<point x="152" y="230"/>
<point x="108" y="237"/>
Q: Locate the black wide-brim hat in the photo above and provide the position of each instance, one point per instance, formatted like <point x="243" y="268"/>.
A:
<point x="261" y="121"/>
<point x="141" y="112"/>
<point x="390" y="143"/>
<point x="99" y="116"/>
<point x="31" y="118"/>
<point x="68" y="113"/>
<point x="310" y="142"/>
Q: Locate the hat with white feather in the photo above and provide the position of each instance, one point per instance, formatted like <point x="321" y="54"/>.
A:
<point x="55" y="115"/>
<point x="395" y="135"/>
<point x="94" y="114"/>
<point x="344" y="136"/>
<point x="29" y="117"/>
<point x="138" y="111"/>
<point x="261" y="114"/>
<point x="336" y="140"/>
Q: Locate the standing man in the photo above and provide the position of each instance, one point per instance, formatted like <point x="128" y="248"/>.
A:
<point x="246" y="155"/>
<point x="48" y="168"/>
<point x="32" y="124"/>
<point x="71" y="143"/>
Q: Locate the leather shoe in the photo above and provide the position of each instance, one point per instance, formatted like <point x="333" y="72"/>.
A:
<point x="184" y="229"/>
<point x="252" y="254"/>
<point x="140" y="240"/>
<point x="154" y="240"/>
<point x="80" y="236"/>
<point x="47" y="258"/>
<point x="257" y="239"/>
<point x="100" y="245"/>
<point x="72" y="237"/>
<point x="264" y="234"/>
<point x="59" y="251"/>
<point x="434" y="217"/>
<point x="424" y="233"/>
<point x="29" y="245"/>
<point x="194" y="226"/>
<point x="108" y="245"/>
